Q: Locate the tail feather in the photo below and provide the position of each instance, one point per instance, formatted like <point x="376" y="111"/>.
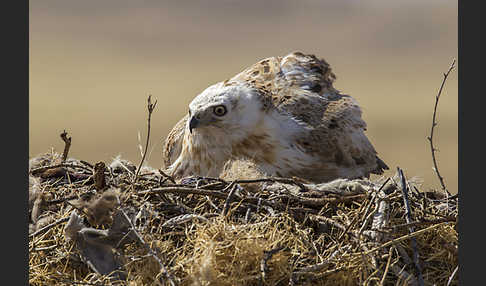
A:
<point x="381" y="166"/>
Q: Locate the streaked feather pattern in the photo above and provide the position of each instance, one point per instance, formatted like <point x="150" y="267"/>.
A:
<point x="286" y="116"/>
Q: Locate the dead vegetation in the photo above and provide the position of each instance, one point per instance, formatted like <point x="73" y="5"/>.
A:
<point x="212" y="231"/>
<point x="116" y="224"/>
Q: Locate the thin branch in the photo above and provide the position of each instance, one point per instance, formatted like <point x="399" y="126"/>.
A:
<point x="149" y="249"/>
<point x="86" y="163"/>
<point x="267" y="255"/>
<point x="320" y="266"/>
<point x="273" y="180"/>
<point x="42" y="169"/>
<point x="216" y="194"/>
<point x="332" y="200"/>
<point x="404" y="237"/>
<point x="404" y="278"/>
<point x="69" y="198"/>
<point x="49" y="226"/>
<point x="390" y="253"/>
<point x="420" y="222"/>
<point x="336" y="224"/>
<point x="150" y="108"/>
<point x="434" y="123"/>
<point x="185" y="191"/>
<point x="228" y="200"/>
<point x="166" y="176"/>
<point x="99" y="176"/>
<point x="452" y="275"/>
<point x="67" y="145"/>
<point x="408" y="217"/>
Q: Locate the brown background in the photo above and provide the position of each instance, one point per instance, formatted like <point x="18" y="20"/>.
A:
<point x="93" y="64"/>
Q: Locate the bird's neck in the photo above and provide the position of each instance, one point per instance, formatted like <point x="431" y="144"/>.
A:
<point x="201" y="155"/>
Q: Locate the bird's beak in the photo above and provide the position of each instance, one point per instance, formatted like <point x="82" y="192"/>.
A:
<point x="193" y="123"/>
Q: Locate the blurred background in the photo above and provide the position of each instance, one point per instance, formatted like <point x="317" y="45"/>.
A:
<point x="93" y="64"/>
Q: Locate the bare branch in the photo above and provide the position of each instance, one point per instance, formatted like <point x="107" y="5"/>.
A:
<point x="67" y="145"/>
<point x="390" y="253"/>
<point x="267" y="255"/>
<point x="411" y="229"/>
<point x="99" y="176"/>
<point x="452" y="275"/>
<point x="434" y="123"/>
<point x="404" y="237"/>
<point x="228" y="200"/>
<point x="49" y="226"/>
<point x="149" y="249"/>
<point x="150" y="108"/>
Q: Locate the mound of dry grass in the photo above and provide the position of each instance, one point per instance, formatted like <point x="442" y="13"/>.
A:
<point x="104" y="227"/>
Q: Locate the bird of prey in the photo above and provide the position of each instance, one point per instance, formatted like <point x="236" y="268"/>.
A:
<point x="284" y="114"/>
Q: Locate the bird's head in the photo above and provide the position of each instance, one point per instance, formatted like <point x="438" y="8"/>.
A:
<point x="224" y="109"/>
<point x="220" y="117"/>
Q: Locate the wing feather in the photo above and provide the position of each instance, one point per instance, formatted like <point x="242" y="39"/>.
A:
<point x="302" y="86"/>
<point x="173" y="142"/>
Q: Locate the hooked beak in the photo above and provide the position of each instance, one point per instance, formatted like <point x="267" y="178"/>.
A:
<point x="193" y="123"/>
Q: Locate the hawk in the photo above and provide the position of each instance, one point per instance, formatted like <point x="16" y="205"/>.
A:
<point x="282" y="113"/>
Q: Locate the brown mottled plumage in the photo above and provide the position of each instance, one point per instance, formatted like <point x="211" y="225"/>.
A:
<point x="285" y="115"/>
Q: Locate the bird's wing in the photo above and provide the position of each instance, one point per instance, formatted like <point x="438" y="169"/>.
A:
<point x="302" y="86"/>
<point x="173" y="142"/>
<point x="284" y="80"/>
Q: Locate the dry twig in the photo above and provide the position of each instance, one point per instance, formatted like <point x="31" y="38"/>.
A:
<point x="267" y="255"/>
<point x="49" y="226"/>
<point x="434" y="123"/>
<point x="321" y="227"/>
<point x="229" y="199"/>
<point x="166" y="176"/>
<point x="99" y="176"/>
<point x="149" y="249"/>
<point x="150" y="108"/>
<point x="408" y="217"/>
<point x="67" y="145"/>
<point x="452" y="275"/>
<point x="390" y="252"/>
<point x="404" y="237"/>
<point x="39" y="170"/>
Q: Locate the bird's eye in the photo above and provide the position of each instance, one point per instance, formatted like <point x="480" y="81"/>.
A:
<point x="219" y="110"/>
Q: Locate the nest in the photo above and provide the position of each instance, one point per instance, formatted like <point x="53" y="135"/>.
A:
<point x="108" y="225"/>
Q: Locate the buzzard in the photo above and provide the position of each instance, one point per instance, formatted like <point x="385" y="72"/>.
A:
<point x="282" y="113"/>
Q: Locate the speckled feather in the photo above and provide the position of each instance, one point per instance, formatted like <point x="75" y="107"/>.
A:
<point x="173" y="142"/>
<point x="325" y="138"/>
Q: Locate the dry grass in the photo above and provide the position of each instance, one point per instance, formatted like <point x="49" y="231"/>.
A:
<point x="276" y="231"/>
